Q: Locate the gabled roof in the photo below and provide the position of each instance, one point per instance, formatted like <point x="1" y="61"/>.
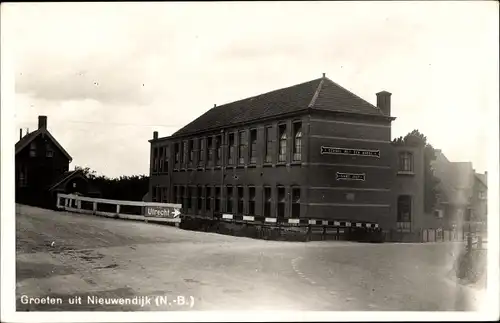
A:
<point x="482" y="178"/>
<point x="319" y="94"/>
<point x="66" y="176"/>
<point x="27" y="139"/>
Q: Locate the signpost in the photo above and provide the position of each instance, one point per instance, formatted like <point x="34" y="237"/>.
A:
<point x="349" y="151"/>
<point x="166" y="212"/>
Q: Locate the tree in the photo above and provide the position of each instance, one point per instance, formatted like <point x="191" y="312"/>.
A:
<point x="431" y="182"/>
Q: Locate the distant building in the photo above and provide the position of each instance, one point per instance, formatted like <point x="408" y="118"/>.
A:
<point x="42" y="169"/>
<point x="314" y="150"/>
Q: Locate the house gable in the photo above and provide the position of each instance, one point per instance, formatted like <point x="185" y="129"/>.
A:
<point x="24" y="142"/>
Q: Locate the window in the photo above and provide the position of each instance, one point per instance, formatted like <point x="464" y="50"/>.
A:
<point x="269" y="145"/>
<point x="231" y="160"/>
<point x="189" y="198"/>
<point x="282" y="151"/>
<point x="153" y="197"/>
<point x="191" y="152"/>
<point x="177" y="153"/>
<point x="404" y="208"/>
<point x="208" y="198"/>
<point x="281" y="202"/>
<point x="185" y="151"/>
<point x="49" y="152"/>
<point x="251" y="200"/>
<point x="176" y="194"/>
<point x="33" y="149"/>
<point x="241" y="199"/>
<point x="253" y="146"/>
<point x="23" y="176"/>
<point x="218" y="148"/>
<point x="210" y="151"/>
<point x="164" y="194"/>
<point x="482" y="195"/>
<point x="201" y="151"/>
<point x="295" y="202"/>
<point x="160" y="162"/>
<point x="241" y="148"/>
<point x="406" y="162"/>
<point x="165" y="160"/>
<point x="267" y="202"/>
<point x="297" y="141"/>
<point x="438" y="213"/>
<point x="229" y="199"/>
<point x="155" y="160"/>
<point x="217" y="199"/>
<point x="181" y="196"/>
<point x="199" y="197"/>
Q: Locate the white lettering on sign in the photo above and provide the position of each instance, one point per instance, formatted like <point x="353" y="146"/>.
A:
<point x="349" y="151"/>
<point x="162" y="212"/>
<point x="350" y="177"/>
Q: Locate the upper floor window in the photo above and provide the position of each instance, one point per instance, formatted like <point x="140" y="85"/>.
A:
<point x="165" y="159"/>
<point x="253" y="146"/>
<point x="297" y="142"/>
<point x="241" y="147"/>
<point x="282" y="150"/>
<point x="49" y="152"/>
<point x="185" y="151"/>
<point x="482" y="195"/>
<point x="155" y="159"/>
<point x="33" y="149"/>
<point x="218" y="148"/>
<point x="210" y="148"/>
<point x="269" y="144"/>
<point x="177" y="152"/>
<point x="231" y="156"/>
<point x="405" y="162"/>
<point x="201" y="151"/>
<point x="191" y="151"/>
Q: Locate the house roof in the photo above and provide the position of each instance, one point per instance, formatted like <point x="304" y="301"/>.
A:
<point x="27" y="139"/>
<point x="319" y="94"/>
<point x="64" y="177"/>
<point x="482" y="178"/>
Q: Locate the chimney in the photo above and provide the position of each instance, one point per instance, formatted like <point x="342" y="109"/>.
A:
<point x="155" y="135"/>
<point x="20" y="134"/>
<point x="324" y="75"/>
<point x="384" y="102"/>
<point x="42" y="122"/>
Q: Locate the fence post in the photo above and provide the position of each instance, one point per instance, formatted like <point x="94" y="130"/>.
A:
<point x="94" y="208"/>
<point x="117" y="209"/>
<point x="79" y="204"/>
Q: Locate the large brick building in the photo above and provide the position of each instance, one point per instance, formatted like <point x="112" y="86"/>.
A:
<point x="313" y="150"/>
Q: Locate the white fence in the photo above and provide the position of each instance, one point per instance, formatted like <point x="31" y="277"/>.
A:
<point x="149" y="211"/>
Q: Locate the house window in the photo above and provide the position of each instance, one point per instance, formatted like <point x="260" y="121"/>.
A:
<point x="182" y="191"/>
<point x="153" y="197"/>
<point x="185" y="151"/>
<point x="177" y="153"/>
<point x="164" y="194"/>
<point x="199" y="196"/>
<point x="241" y="199"/>
<point x="176" y="194"/>
<point x="33" y="149"/>
<point x="404" y="212"/>
<point x="281" y="202"/>
<point x="191" y="152"/>
<point x="482" y="195"/>
<point x="253" y="146"/>
<point x="49" y="152"/>
<point x="217" y="199"/>
<point x="251" y="200"/>
<point x="297" y="142"/>
<point x="405" y="162"/>
<point x="23" y="177"/>
<point x="267" y="202"/>
<point x="160" y="163"/>
<point x="189" y="198"/>
<point x="201" y="152"/>
<point x="231" y="160"/>
<point x="218" y="149"/>
<point x="210" y="151"/>
<point x="155" y="160"/>
<point x="282" y="150"/>
<point x="208" y="198"/>
<point x="241" y="148"/>
<point x="438" y="214"/>
<point x="295" y="202"/>
<point x="269" y="144"/>
<point x="229" y="199"/>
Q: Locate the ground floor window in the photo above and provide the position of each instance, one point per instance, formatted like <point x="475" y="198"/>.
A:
<point x="199" y="198"/>
<point x="229" y="199"/>
<point x="251" y="200"/>
<point x="267" y="202"/>
<point x="217" y="199"/>
<point x="281" y="202"/>
<point x="240" y="200"/>
<point x="208" y="199"/>
<point x="404" y="212"/>
<point x="295" y="202"/>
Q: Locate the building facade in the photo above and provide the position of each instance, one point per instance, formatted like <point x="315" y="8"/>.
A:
<point x="314" y="150"/>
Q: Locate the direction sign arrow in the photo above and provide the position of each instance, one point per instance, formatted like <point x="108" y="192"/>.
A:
<point x="176" y="213"/>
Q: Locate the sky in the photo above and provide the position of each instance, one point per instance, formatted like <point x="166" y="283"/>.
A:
<point x="109" y="74"/>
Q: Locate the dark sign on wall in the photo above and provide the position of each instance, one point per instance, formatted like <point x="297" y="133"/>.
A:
<point x="351" y="152"/>
<point x="350" y="177"/>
